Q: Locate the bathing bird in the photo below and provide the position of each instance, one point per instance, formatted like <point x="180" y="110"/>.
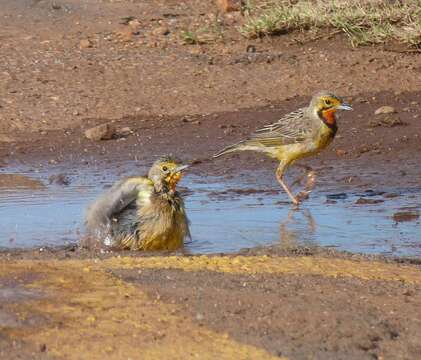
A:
<point x="142" y="213"/>
<point x="299" y="134"/>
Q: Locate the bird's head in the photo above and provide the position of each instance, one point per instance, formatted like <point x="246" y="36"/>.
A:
<point x="166" y="171"/>
<point x="325" y="105"/>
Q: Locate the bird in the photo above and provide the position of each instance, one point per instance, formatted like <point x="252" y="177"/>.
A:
<point x="142" y="213"/>
<point x="298" y="134"/>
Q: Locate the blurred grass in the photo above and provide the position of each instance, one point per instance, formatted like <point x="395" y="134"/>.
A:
<point x="363" y="21"/>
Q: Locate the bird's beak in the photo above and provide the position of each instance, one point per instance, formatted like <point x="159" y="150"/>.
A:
<point x="179" y="169"/>
<point x="344" y="106"/>
<point x="176" y="175"/>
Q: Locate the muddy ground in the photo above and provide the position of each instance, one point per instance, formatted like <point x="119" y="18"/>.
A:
<point x="191" y="100"/>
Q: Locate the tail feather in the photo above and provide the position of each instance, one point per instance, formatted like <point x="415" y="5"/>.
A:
<point x="228" y="149"/>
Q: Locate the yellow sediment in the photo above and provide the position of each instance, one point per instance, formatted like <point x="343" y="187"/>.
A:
<point x="89" y="314"/>
<point x="303" y="265"/>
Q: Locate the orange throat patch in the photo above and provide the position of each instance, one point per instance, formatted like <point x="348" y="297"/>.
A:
<point x="173" y="180"/>
<point x="329" y="116"/>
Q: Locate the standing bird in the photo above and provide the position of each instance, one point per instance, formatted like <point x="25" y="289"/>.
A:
<point x="142" y="213"/>
<point x="299" y="134"/>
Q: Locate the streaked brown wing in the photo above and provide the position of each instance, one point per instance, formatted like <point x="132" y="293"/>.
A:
<point x="293" y="128"/>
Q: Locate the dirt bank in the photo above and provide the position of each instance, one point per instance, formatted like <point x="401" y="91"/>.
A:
<point x="226" y="307"/>
<point x="50" y="81"/>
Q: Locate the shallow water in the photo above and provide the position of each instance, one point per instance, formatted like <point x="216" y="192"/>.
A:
<point x="226" y="214"/>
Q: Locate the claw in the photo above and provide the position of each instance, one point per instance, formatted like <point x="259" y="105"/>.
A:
<point x="309" y="186"/>
<point x="303" y="195"/>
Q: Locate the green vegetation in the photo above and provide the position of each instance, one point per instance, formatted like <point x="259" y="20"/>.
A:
<point x="364" y="21"/>
<point x="209" y="33"/>
<point x="190" y="37"/>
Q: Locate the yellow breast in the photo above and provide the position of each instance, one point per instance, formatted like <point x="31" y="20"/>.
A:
<point x="292" y="152"/>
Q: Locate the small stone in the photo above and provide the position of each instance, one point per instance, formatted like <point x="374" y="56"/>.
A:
<point x="338" y="196"/>
<point x="85" y="44"/>
<point x="251" y="49"/>
<point x="100" y="132"/>
<point x="229" y="5"/>
<point x="124" y="33"/>
<point x="385" y="110"/>
<point x="196" y="161"/>
<point x="123" y="132"/>
<point x="403" y="216"/>
<point x="134" y="25"/>
<point x="59" y="179"/>
<point x="364" y="201"/>
<point x="340" y="152"/>
<point x="162" y="30"/>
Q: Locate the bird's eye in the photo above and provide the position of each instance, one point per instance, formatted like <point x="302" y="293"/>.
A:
<point x="328" y="102"/>
<point x="164" y="168"/>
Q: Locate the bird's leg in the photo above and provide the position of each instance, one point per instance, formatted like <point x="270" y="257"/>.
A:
<point x="279" y="176"/>
<point x="310" y="182"/>
<point x="312" y="226"/>
<point x="287" y="238"/>
<point x="307" y="170"/>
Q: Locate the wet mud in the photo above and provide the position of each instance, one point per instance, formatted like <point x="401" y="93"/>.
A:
<point x="364" y="201"/>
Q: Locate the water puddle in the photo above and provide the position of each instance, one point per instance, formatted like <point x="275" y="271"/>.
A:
<point x="226" y="214"/>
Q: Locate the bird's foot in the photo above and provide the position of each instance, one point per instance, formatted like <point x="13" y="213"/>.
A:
<point x="310" y="183"/>
<point x="302" y="195"/>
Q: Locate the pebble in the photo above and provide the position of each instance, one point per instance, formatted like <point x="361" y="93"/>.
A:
<point x="403" y="216"/>
<point x="59" y="179"/>
<point x="363" y="201"/>
<point x="134" y="24"/>
<point x="100" y="132"/>
<point x="124" y="33"/>
<point x="123" y="132"/>
<point x="229" y="5"/>
<point x="162" y="30"/>
<point x="385" y="110"/>
<point x="85" y="44"/>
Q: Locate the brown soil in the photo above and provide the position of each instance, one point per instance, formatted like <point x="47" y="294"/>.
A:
<point x="366" y="153"/>
<point x="49" y="83"/>
<point x="296" y="316"/>
<point x="192" y="100"/>
<point x="260" y="307"/>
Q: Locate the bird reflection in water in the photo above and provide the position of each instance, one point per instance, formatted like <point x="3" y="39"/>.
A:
<point x="294" y="231"/>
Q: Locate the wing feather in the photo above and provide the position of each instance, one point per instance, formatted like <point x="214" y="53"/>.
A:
<point x="121" y="195"/>
<point x="292" y="128"/>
